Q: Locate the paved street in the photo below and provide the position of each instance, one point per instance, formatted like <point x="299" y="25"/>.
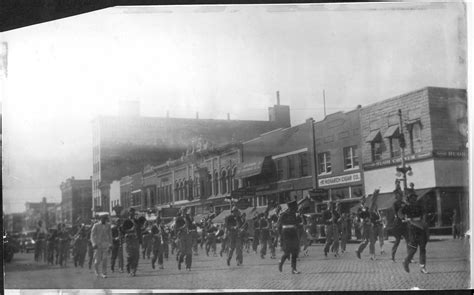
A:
<point x="447" y="262"/>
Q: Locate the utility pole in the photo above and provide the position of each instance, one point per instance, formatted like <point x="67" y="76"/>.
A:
<point x="404" y="169"/>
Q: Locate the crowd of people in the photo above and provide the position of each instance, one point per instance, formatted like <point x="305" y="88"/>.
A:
<point x="123" y="241"/>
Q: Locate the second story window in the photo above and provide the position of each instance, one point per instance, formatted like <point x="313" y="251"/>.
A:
<point x="351" y="158"/>
<point x="394" y="147"/>
<point x="324" y="163"/>
<point x="376" y="150"/>
<point x="291" y="167"/>
<point x="279" y="168"/>
<point x="415" y="138"/>
<point x="303" y="164"/>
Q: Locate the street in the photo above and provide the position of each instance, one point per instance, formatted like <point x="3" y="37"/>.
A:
<point x="447" y="263"/>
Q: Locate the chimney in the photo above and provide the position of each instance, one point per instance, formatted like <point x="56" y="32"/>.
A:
<point x="228" y="116"/>
<point x="197" y="115"/>
<point x="278" y="98"/>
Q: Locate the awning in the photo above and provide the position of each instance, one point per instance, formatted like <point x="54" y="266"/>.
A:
<point x="386" y="200"/>
<point x="392" y="131"/>
<point x="248" y="169"/>
<point x="257" y="167"/>
<point x="221" y="217"/>
<point x="422" y="192"/>
<point x="373" y="136"/>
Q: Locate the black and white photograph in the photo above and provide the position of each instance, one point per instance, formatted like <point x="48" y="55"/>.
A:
<point x="244" y="147"/>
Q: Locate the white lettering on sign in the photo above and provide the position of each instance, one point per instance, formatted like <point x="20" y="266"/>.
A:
<point x="339" y="179"/>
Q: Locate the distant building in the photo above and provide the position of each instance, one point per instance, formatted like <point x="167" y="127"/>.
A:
<point x="123" y="145"/>
<point x="14" y="222"/>
<point x="338" y="149"/>
<point x="434" y="123"/>
<point x="76" y="200"/>
<point x="35" y="212"/>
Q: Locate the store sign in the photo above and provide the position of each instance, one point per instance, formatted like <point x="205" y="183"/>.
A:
<point x="340" y="179"/>
<point x="450" y="154"/>
<point x="389" y="162"/>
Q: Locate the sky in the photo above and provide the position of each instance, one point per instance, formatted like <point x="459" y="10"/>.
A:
<point x="208" y="59"/>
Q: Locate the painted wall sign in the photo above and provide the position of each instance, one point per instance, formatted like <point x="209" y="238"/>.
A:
<point x="389" y="162"/>
<point x="340" y="179"/>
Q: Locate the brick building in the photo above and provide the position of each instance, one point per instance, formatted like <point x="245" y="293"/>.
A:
<point x="278" y="165"/>
<point x="14" y="222"/>
<point x="35" y="212"/>
<point x="434" y="124"/>
<point x="338" y="150"/>
<point x="76" y="200"/>
<point x="123" y="145"/>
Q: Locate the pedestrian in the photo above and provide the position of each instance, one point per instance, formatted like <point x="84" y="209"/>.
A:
<point x="157" y="243"/>
<point x="90" y="249"/>
<point x="40" y="237"/>
<point x="220" y="234"/>
<point x="273" y="236"/>
<point x="336" y="228"/>
<point x="303" y="236"/>
<point x="146" y="245"/>
<point x="417" y="232"/>
<point x="166" y="240"/>
<point x="287" y="225"/>
<point x="345" y="231"/>
<point x="232" y="225"/>
<point x="133" y="240"/>
<point x="399" y="224"/>
<point x="117" y="246"/>
<point x="64" y="240"/>
<point x="101" y="239"/>
<point x="51" y="246"/>
<point x="194" y="237"/>
<point x="264" y="228"/>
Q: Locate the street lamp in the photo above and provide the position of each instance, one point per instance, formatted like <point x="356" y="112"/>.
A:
<point x="404" y="170"/>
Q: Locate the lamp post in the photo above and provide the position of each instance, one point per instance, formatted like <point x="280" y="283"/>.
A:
<point x="404" y="170"/>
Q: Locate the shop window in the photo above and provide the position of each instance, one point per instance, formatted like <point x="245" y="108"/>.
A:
<point x="394" y="147"/>
<point x="291" y="167"/>
<point x="324" y="163"/>
<point x="351" y="158"/>
<point x="303" y="164"/>
<point x="279" y="168"/>
<point x="357" y="191"/>
<point x="415" y="138"/>
<point x="376" y="150"/>
<point x="340" y="193"/>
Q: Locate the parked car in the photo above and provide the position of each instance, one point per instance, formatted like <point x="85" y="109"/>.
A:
<point x="28" y="244"/>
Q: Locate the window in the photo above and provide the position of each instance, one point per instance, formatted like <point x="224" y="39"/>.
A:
<point x="235" y="181"/>
<point x="216" y="184"/>
<point x="324" y="162"/>
<point x="415" y="138"/>
<point x="291" y="167"/>
<point x="279" y="168"/>
<point x="224" y="182"/>
<point x="394" y="147"/>
<point x="303" y="164"/>
<point x="351" y="158"/>
<point x="376" y="148"/>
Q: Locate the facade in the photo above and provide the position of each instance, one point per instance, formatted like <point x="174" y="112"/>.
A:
<point x="433" y="123"/>
<point x="338" y="152"/>
<point x="76" y="200"/>
<point x="278" y="165"/>
<point x="35" y="212"/>
<point x="123" y="145"/>
<point x="200" y="180"/>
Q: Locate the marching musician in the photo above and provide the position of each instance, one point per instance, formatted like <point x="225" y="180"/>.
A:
<point x="133" y="240"/>
<point x="232" y="225"/>
<point x="287" y="226"/>
<point x="399" y="226"/>
<point x="157" y="233"/>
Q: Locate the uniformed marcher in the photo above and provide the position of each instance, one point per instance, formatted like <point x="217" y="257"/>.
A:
<point x="80" y="247"/>
<point x="264" y="228"/>
<point x="185" y="240"/>
<point x="232" y="225"/>
<point x="64" y="240"/>
<point x="327" y="217"/>
<point x="211" y="238"/>
<point x="399" y="224"/>
<point x="157" y="231"/>
<point x="417" y="232"/>
<point x="194" y="237"/>
<point x="256" y="236"/>
<point x="290" y="244"/>
<point x="117" y="246"/>
<point x="133" y="239"/>
<point x="370" y="218"/>
<point x="336" y="228"/>
<point x="146" y="236"/>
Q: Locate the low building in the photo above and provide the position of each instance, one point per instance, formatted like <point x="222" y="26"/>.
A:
<point x="432" y="122"/>
<point x="76" y="200"/>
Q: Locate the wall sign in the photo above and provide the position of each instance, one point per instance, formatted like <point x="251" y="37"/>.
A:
<point x="389" y="162"/>
<point x="339" y="179"/>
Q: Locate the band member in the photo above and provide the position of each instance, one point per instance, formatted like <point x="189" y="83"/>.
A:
<point x="328" y="219"/>
<point x="146" y="247"/>
<point x="220" y="234"/>
<point x="264" y="227"/>
<point x="399" y="224"/>
<point x="101" y="238"/>
<point x="417" y="232"/>
<point x="117" y="246"/>
<point x="304" y="240"/>
<point x="211" y="238"/>
<point x="273" y="235"/>
<point x="185" y="241"/>
<point x="80" y="247"/>
<point x="64" y="240"/>
<point x="133" y="240"/>
<point x="194" y="237"/>
<point x="40" y="238"/>
<point x="287" y="225"/>
<point x="371" y="220"/>
<point x="157" y="243"/>
<point x="232" y="224"/>
<point x="256" y="235"/>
